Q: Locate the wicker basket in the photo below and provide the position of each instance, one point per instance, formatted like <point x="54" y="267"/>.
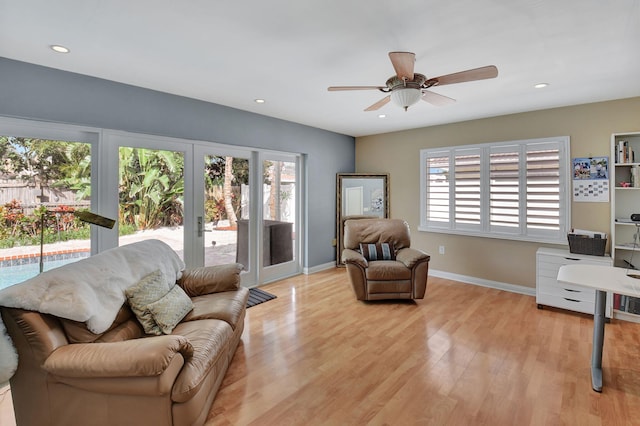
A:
<point x="581" y="244"/>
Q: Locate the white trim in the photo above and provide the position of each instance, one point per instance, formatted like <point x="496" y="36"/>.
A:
<point x="512" y="288"/>
<point x="319" y="268"/>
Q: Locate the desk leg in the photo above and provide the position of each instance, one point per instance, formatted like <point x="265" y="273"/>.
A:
<point x="598" y="340"/>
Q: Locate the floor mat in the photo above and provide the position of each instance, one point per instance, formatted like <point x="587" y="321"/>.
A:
<point x="257" y="296"/>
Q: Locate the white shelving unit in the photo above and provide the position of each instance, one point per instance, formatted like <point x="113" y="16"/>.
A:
<point x="566" y="296"/>
<point x="625" y="201"/>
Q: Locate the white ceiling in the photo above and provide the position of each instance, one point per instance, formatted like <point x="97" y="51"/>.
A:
<point x="289" y="51"/>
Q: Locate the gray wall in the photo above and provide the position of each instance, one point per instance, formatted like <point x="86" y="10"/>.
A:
<point x="40" y="93"/>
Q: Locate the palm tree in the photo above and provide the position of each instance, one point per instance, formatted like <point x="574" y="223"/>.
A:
<point x="227" y="192"/>
<point x="151" y="187"/>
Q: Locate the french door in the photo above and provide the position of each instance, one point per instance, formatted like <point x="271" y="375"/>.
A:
<point x="247" y="211"/>
<point x="280" y="216"/>
<point x="213" y="204"/>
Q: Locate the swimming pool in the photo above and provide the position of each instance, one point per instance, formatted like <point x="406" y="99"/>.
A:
<point x="14" y="274"/>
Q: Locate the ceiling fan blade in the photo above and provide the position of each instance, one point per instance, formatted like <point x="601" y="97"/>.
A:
<point x="338" y="88"/>
<point x="481" y="73"/>
<point x="437" y="99"/>
<point x="403" y="63"/>
<point x="379" y="104"/>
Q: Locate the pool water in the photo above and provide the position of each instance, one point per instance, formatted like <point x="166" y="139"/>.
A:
<point x="10" y="275"/>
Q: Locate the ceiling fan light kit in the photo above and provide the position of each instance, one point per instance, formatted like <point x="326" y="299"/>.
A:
<point x="406" y="88"/>
<point x="404" y="98"/>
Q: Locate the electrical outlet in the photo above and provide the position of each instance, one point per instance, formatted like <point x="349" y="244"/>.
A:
<point x="441" y="249"/>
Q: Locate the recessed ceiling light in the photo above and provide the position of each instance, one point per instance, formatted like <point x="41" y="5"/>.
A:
<point x="541" y="85"/>
<point x="259" y="101"/>
<point x="382" y="115"/>
<point x="59" y="49"/>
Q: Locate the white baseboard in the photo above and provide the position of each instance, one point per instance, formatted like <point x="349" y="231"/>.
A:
<point x="318" y="268"/>
<point x="528" y="291"/>
<point x="513" y="288"/>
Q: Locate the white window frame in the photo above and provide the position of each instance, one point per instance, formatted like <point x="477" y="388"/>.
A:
<point x="484" y="228"/>
<point x="65" y="132"/>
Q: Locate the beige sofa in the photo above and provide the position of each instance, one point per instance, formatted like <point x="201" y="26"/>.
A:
<point x="69" y="375"/>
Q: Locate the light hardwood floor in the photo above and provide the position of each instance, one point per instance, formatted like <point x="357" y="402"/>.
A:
<point x="465" y="355"/>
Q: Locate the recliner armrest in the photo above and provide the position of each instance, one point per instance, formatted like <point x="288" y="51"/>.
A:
<point x="410" y="256"/>
<point x="352" y="256"/>
<point x="144" y="357"/>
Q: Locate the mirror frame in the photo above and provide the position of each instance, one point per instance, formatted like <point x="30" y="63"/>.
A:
<point x="340" y="180"/>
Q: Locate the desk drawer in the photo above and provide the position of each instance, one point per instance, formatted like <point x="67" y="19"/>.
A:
<point x="554" y="288"/>
<point x="559" y="302"/>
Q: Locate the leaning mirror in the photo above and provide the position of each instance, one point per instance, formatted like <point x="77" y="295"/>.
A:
<point x="359" y="196"/>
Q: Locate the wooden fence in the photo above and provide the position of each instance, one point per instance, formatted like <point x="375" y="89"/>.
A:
<point x="32" y="197"/>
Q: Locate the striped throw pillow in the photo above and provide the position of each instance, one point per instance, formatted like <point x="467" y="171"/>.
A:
<point x="378" y="251"/>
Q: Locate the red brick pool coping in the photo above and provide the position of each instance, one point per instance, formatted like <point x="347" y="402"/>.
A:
<point x="48" y="253"/>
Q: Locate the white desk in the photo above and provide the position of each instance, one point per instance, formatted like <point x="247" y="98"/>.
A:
<point x="602" y="279"/>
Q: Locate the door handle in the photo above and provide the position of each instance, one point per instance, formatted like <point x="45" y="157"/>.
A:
<point x="200" y="227"/>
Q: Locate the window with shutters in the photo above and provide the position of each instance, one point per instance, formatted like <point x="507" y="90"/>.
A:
<point x="515" y="190"/>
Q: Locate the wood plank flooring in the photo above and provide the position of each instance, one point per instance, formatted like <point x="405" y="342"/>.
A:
<point x="465" y="355"/>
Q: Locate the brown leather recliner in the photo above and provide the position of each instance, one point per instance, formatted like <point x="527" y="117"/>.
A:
<point x="404" y="277"/>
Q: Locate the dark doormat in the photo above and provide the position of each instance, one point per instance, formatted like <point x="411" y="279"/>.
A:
<point x="257" y="296"/>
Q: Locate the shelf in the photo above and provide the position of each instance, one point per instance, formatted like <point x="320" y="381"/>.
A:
<point x="625" y="201"/>
<point x="629" y="248"/>
<point x="625" y="221"/>
<point x="626" y="316"/>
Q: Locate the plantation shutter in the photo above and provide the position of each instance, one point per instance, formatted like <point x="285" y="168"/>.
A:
<point x="437" y="192"/>
<point x="515" y="190"/>
<point x="543" y="187"/>
<point x="504" y="189"/>
<point x="467" y="188"/>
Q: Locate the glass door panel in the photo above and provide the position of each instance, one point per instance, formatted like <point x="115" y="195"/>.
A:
<point x="151" y="196"/>
<point x="225" y="224"/>
<point x="280" y="216"/>
<point x="43" y="182"/>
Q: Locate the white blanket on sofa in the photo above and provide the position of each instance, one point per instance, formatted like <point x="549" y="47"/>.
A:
<point x="89" y="290"/>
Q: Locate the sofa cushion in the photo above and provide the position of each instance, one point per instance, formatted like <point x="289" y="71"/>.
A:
<point x="210" y="340"/>
<point x="169" y="310"/>
<point x="78" y="332"/>
<point x="387" y="270"/>
<point x="227" y="306"/>
<point x="148" y="290"/>
<point x="378" y="251"/>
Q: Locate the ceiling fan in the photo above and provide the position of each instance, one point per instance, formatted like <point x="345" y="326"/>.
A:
<point x="406" y="87"/>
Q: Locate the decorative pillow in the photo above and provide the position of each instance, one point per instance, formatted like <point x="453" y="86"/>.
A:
<point x="378" y="251"/>
<point x="150" y="289"/>
<point x="170" y="309"/>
